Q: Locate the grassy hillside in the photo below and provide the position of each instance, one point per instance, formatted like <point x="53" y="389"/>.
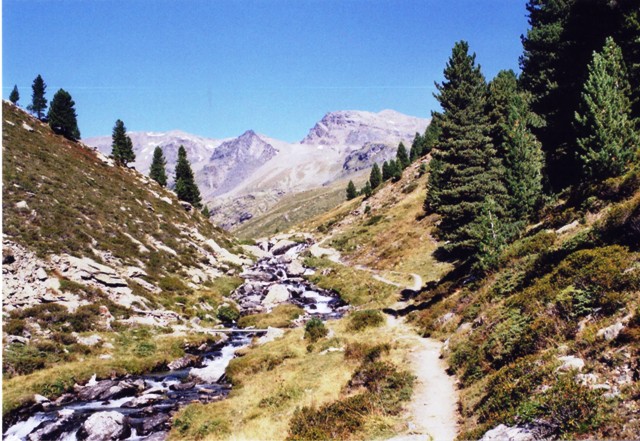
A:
<point x="550" y="338"/>
<point x="60" y="199"/>
<point x="296" y="208"/>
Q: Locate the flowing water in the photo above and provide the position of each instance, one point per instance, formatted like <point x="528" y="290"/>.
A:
<point x="148" y="401"/>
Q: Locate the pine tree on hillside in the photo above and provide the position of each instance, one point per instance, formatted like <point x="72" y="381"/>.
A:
<point x="402" y="157"/>
<point x="501" y="91"/>
<point x="352" y="192"/>
<point x="186" y="187"/>
<point x="38" y="101"/>
<point x="205" y="212"/>
<point x="14" y="97"/>
<point x="62" y="116"/>
<point x="434" y="185"/>
<point x="523" y="160"/>
<point x="489" y="235"/>
<point x="395" y="170"/>
<point x="375" y="178"/>
<point x="431" y="137"/>
<point x="367" y="191"/>
<point x="387" y="172"/>
<point x="607" y="136"/>
<point x="416" y="148"/>
<point x="470" y="170"/>
<point x="121" y="145"/>
<point x="628" y="36"/>
<point x="157" y="171"/>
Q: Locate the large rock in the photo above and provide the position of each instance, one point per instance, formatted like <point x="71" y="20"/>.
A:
<point x="295" y="268"/>
<point x="282" y="246"/>
<point x="506" y="433"/>
<point x="106" y="390"/>
<point x="610" y="332"/>
<point x="104" y="426"/>
<point x="277" y="294"/>
<point x="570" y="362"/>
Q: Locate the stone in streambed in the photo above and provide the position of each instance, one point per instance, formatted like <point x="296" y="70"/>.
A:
<point x="104" y="426"/>
<point x="277" y="294"/>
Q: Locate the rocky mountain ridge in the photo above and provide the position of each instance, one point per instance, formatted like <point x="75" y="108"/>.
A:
<point x="258" y="171"/>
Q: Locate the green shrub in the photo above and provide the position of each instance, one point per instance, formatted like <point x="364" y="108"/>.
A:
<point x="171" y="284"/>
<point x="14" y="326"/>
<point x="314" y="330"/>
<point x="22" y="359"/>
<point x="511" y="338"/>
<point x="368" y="318"/>
<point x="228" y="314"/>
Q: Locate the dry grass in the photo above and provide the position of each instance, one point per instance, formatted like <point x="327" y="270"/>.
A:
<point x="275" y="379"/>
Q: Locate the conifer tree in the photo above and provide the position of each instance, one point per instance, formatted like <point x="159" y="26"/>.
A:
<point x="470" y="170"/>
<point x="430" y="138"/>
<point x="387" y="173"/>
<point x="488" y="233"/>
<point x="416" y="148"/>
<point x="352" y="192"/>
<point x="121" y="145"/>
<point x="628" y="36"/>
<point x="395" y="170"/>
<point x="607" y="136"/>
<point x="501" y="91"/>
<point x="205" y="212"/>
<point x="186" y="187"/>
<point x="523" y="160"/>
<point x="367" y="190"/>
<point x="14" y="97"/>
<point x="402" y="157"/>
<point x="434" y="185"/>
<point x="375" y="178"/>
<point x="38" y="101"/>
<point x="62" y="116"/>
<point x="157" y="171"/>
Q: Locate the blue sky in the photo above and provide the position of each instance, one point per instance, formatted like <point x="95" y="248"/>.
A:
<point x="219" y="67"/>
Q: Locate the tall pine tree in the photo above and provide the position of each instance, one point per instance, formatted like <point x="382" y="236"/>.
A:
<point x="431" y="137"/>
<point x="416" y="148"/>
<point x="158" y="172"/>
<point x="186" y="187"/>
<point x="375" y="178"/>
<point x="14" y="97"/>
<point x="352" y="192"/>
<point x="470" y="170"/>
<point x="121" y="145"/>
<point x="501" y="91"/>
<point x="387" y="172"/>
<point x="607" y="135"/>
<point x="62" y="115"/>
<point x="523" y="160"/>
<point x="402" y="157"/>
<point x="38" y="101"/>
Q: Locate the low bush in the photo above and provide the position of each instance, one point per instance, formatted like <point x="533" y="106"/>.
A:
<point x="314" y="330"/>
<point x="172" y="284"/>
<point x="368" y="318"/>
<point x="228" y="314"/>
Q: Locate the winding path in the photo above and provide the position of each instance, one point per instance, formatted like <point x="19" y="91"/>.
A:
<point x="433" y="408"/>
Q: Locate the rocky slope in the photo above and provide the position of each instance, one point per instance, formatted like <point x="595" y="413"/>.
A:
<point x="244" y="177"/>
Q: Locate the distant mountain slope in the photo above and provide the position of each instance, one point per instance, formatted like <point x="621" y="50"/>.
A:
<point x="242" y="178"/>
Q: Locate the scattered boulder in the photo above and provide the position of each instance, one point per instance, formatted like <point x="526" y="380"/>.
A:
<point x="568" y="227"/>
<point x="506" y="433"/>
<point x="277" y="294"/>
<point x="282" y="246"/>
<point x="90" y="340"/>
<point x="104" y="426"/>
<point x="271" y="335"/>
<point x="183" y="362"/>
<point x="295" y="268"/>
<point x="570" y="362"/>
<point x="610" y="332"/>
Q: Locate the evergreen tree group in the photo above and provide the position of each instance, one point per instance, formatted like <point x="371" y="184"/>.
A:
<point x="62" y="116"/>
<point x="121" y="145"/>
<point x="185" y="185"/>
<point x="570" y="119"/>
<point x="157" y="171"/>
